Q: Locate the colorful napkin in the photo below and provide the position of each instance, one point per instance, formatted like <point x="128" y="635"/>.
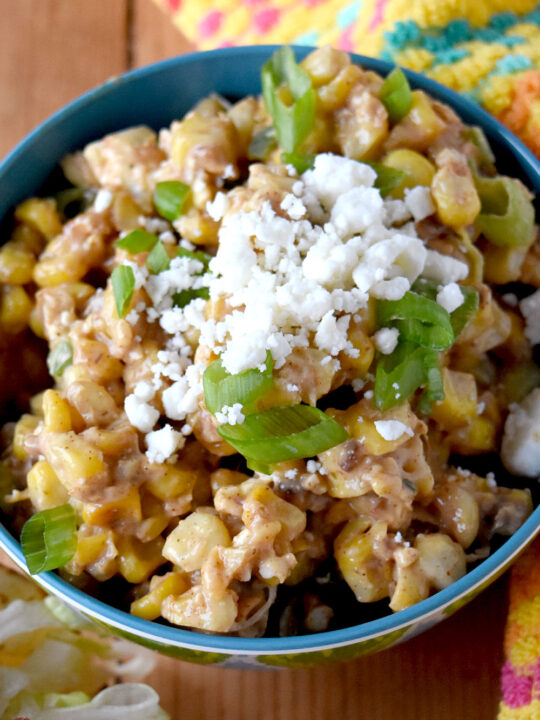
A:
<point x="488" y="50"/>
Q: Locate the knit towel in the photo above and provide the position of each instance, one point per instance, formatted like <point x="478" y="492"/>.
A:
<point x="488" y="50"/>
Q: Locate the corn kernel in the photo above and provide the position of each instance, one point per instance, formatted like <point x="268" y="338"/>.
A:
<point x="479" y="436"/>
<point x="367" y="577"/>
<point x="15" y="308"/>
<point x="323" y="64"/>
<point x="171" y="481"/>
<point x="16" y="264"/>
<point x="28" y="237"/>
<point x="56" y="413"/>
<point x="149" y="606"/>
<point x="24" y="427"/>
<point x="41" y="214"/>
<point x="459" y="405"/>
<point x="45" y="489"/>
<point x="126" y="509"/>
<point x="73" y="459"/>
<point x="454" y="191"/>
<point x="193" y="538"/>
<point x="137" y="560"/>
<point x="417" y="168"/>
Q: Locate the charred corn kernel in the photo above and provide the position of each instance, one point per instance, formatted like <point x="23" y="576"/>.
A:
<point x="460" y="399"/>
<point x="335" y="93"/>
<point x="260" y="499"/>
<point x="41" y="214"/>
<point x="125" y="212"/>
<point x="35" y="323"/>
<point x="459" y="513"/>
<point x="358" y="366"/>
<point x="28" y="237"/>
<point x="417" y="168"/>
<point x="477" y="437"/>
<point x="45" y="489"/>
<point x="440" y="559"/>
<point x="15" y="308"/>
<point x="367" y="576"/>
<point x="454" y="191"/>
<point x="137" y="560"/>
<point x="361" y="126"/>
<point x="16" y="264"/>
<point x="56" y="414"/>
<point x="125" y="509"/>
<point x="190" y="542"/>
<point x="503" y="264"/>
<point x="323" y="64"/>
<point x="149" y="606"/>
<point x="198" y="227"/>
<point x="223" y="477"/>
<point x="73" y="459"/>
<point x="411" y="586"/>
<point x="171" y="481"/>
<point x="24" y="427"/>
<point x="150" y="528"/>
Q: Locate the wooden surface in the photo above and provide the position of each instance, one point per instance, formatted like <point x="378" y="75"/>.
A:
<point x="50" y="52"/>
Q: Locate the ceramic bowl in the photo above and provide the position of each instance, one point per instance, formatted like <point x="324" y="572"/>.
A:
<point x="155" y="95"/>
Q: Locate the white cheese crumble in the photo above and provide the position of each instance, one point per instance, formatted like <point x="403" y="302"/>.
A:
<point x="450" y="297"/>
<point x="231" y="414"/>
<point x="386" y="340"/>
<point x="520" y="448"/>
<point x="392" y="429"/>
<point x="443" y="268"/>
<point x="530" y="309"/>
<point x="419" y="202"/>
<point x="103" y="200"/>
<point x="217" y="207"/>
<point x="163" y="443"/>
<point x="140" y="414"/>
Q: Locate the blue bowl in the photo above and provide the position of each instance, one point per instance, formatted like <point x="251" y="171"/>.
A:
<point x="155" y="95"/>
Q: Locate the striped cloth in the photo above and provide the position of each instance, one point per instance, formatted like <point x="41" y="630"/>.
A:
<point x="488" y="50"/>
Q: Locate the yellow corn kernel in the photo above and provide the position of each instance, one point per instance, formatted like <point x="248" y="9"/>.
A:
<point x="125" y="212"/>
<point x="171" y="481"/>
<point x="45" y="489"/>
<point x="411" y="586"/>
<point x="149" y="606"/>
<point x="56" y="413"/>
<point x="198" y="227"/>
<point x="126" y="509"/>
<point x="503" y="264"/>
<point x="28" y="237"/>
<point x="223" y="478"/>
<point x="440" y="559"/>
<point x="24" y="427"/>
<point x="151" y="527"/>
<point x="94" y="357"/>
<point x="260" y="500"/>
<point x="358" y="366"/>
<point x="419" y="128"/>
<point x="137" y="560"/>
<point x="359" y="420"/>
<point x="479" y="436"/>
<point x="60" y="269"/>
<point x="193" y="538"/>
<point x="459" y="513"/>
<point x="460" y="399"/>
<point x="196" y="608"/>
<point x="94" y="404"/>
<point x="319" y="137"/>
<point x="36" y="404"/>
<point x="80" y="292"/>
<point x="16" y="264"/>
<point x="15" y="308"/>
<point x="367" y="576"/>
<point x="35" y="323"/>
<point x="335" y="94"/>
<point x="41" y="214"/>
<point x="417" y="168"/>
<point x="454" y="191"/>
<point x="361" y="125"/>
<point x="73" y="459"/>
<point x="323" y="64"/>
<point x="89" y="549"/>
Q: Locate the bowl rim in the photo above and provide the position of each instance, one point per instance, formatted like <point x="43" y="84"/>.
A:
<point x="418" y="614"/>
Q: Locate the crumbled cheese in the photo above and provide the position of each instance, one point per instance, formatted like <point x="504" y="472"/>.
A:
<point x="140" y="414"/>
<point x="293" y="206"/>
<point x="510" y="299"/>
<point x="530" y="309"/>
<point x="333" y="175"/>
<point x="167" y="237"/>
<point x="291" y="387"/>
<point x="163" y="443"/>
<point x="520" y="448"/>
<point x="491" y="481"/>
<point x="368" y="394"/>
<point x="358" y="384"/>
<point x="291" y="474"/>
<point x="103" y="200"/>
<point x="231" y="414"/>
<point x="386" y="340"/>
<point x="443" y="268"/>
<point x="217" y="207"/>
<point x="480" y="407"/>
<point x="450" y="297"/>
<point x="392" y="429"/>
<point x="419" y="202"/>
<point x="312" y="466"/>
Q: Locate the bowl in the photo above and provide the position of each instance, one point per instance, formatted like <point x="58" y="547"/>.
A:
<point x="155" y="95"/>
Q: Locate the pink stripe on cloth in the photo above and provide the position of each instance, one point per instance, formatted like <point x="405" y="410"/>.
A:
<point x="516" y="689"/>
<point x="210" y="24"/>
<point x="265" y="19"/>
<point x="378" y="15"/>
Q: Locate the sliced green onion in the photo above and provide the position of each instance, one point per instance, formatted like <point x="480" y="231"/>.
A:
<point x="300" y="162"/>
<point x="428" y="336"/>
<point x="409" y="484"/>
<point x="284" y="433"/>
<point x="467" y="310"/>
<point x="507" y="214"/>
<point x="137" y="241"/>
<point x="399" y="375"/>
<point x="476" y="135"/>
<point x="199" y="255"/>
<point x="184" y="297"/>
<point x="422" y="309"/>
<point x="396" y="95"/>
<point x="158" y="260"/>
<point x="59" y="358"/>
<point x="388" y="177"/>
<point x="123" y="284"/>
<point x="49" y="539"/>
<point x="434" y="391"/>
<point x="170" y="198"/>
<point x="221" y="388"/>
<point x="294" y="122"/>
<point x="262" y="144"/>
